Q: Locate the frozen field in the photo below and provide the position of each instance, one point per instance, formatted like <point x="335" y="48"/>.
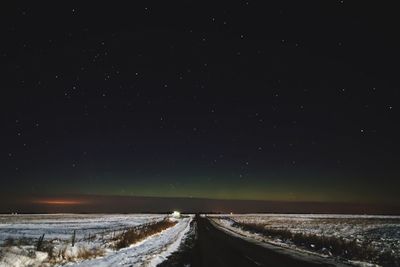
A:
<point x="381" y="233"/>
<point x="62" y="226"/>
<point x="86" y="240"/>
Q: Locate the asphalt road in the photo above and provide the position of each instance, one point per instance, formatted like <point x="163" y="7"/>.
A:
<point x="214" y="247"/>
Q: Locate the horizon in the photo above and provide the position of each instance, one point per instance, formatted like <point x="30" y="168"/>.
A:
<point x="87" y="204"/>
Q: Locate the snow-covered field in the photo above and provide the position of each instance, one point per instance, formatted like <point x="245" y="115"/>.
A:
<point x="94" y="239"/>
<point x="382" y="233"/>
<point x="62" y="226"/>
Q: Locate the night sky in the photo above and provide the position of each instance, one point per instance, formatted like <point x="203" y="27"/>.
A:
<point x="244" y="100"/>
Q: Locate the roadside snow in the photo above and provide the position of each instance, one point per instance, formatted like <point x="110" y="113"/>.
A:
<point x="363" y="264"/>
<point x="19" y="257"/>
<point x="381" y="232"/>
<point x="149" y="252"/>
<point x="94" y="237"/>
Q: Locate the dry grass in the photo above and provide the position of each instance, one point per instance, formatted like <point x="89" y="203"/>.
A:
<point x="23" y="241"/>
<point x="136" y="234"/>
<point x="8" y="242"/>
<point x="335" y="246"/>
<point x="55" y="255"/>
<point x="85" y="253"/>
<point x="62" y="256"/>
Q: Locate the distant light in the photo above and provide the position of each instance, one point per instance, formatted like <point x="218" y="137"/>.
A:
<point x="176" y="214"/>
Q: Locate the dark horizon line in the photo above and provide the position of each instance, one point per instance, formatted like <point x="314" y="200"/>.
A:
<point x="71" y="195"/>
<point x="78" y="203"/>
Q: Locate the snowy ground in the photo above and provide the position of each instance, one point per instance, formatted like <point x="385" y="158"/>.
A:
<point x="150" y="252"/>
<point x="62" y="226"/>
<point x="381" y="232"/>
<point x="93" y="234"/>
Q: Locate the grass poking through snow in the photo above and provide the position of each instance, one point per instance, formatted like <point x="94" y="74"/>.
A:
<point x="134" y="235"/>
<point x="331" y="245"/>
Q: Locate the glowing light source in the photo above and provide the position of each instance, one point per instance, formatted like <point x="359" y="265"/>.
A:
<point x="176" y="214"/>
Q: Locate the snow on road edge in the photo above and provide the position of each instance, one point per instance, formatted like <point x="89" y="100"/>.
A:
<point x="171" y="248"/>
<point x="149" y="252"/>
<point x="281" y="249"/>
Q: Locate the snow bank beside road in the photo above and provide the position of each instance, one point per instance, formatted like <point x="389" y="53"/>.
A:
<point x="94" y="242"/>
<point x="356" y="239"/>
<point x="148" y="252"/>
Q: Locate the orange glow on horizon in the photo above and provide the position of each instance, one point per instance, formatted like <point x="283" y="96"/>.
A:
<point x="59" y="202"/>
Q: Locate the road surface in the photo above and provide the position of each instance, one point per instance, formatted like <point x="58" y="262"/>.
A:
<point x="215" y="247"/>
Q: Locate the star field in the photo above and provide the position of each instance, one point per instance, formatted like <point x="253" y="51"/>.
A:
<point x="237" y="100"/>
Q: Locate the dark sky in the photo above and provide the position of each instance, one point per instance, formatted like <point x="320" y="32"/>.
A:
<point x="256" y="100"/>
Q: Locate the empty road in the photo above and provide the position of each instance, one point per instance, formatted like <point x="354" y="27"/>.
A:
<point x="214" y="247"/>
